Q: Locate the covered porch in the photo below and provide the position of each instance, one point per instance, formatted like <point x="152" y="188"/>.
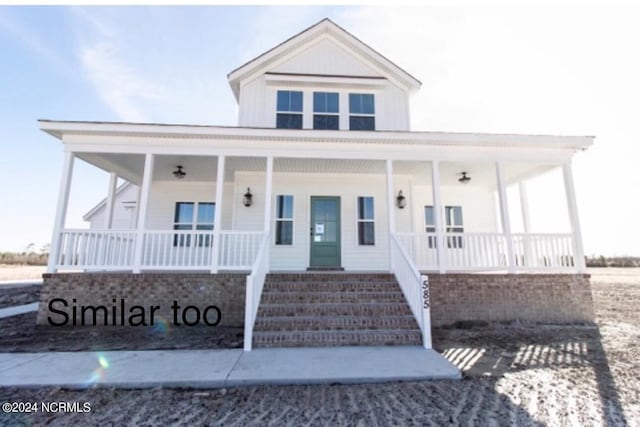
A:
<point x="418" y="210"/>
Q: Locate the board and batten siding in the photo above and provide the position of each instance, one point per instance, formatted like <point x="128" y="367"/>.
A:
<point x="257" y="100"/>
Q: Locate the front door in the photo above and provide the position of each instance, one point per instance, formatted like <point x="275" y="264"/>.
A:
<point x="325" y="232"/>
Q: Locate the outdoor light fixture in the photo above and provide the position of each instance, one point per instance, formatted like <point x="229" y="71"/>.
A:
<point x="464" y="178"/>
<point x="401" y="201"/>
<point x="179" y="173"/>
<point x="247" y="199"/>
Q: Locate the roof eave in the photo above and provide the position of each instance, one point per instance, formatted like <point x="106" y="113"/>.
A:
<point x="61" y="128"/>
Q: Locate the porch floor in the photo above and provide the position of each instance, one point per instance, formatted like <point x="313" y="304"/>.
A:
<point x="224" y="368"/>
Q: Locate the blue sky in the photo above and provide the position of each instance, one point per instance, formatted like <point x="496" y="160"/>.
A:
<point x="506" y="70"/>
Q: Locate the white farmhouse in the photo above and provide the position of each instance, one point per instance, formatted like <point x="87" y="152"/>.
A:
<point x="326" y="200"/>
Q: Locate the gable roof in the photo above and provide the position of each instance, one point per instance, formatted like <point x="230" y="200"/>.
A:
<point x="103" y="203"/>
<point x="325" y="26"/>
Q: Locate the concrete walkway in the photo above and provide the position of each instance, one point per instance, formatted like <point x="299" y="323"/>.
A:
<point x="18" y="309"/>
<point x="223" y="368"/>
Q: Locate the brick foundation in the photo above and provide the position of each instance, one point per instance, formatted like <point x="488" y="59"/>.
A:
<point x="226" y="291"/>
<point x="552" y="298"/>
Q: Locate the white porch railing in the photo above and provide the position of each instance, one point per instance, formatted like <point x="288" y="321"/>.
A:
<point x="161" y="249"/>
<point x="89" y="249"/>
<point x="543" y="251"/>
<point x="239" y="249"/>
<point x="410" y="282"/>
<point x="177" y="249"/>
<point x="488" y="251"/>
<point x="255" y="284"/>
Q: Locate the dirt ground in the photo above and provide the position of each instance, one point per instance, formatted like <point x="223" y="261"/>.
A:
<point x="515" y="374"/>
<point x="21" y="272"/>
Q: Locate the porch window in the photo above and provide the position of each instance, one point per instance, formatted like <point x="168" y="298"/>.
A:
<point x="193" y="216"/>
<point x="289" y="110"/>
<point x="366" y="230"/>
<point x="361" y="111"/>
<point x="453" y="224"/>
<point x="325" y="110"/>
<point x="284" y="220"/>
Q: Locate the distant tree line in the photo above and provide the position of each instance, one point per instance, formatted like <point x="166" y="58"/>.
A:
<point x="616" y="261"/>
<point x="30" y="256"/>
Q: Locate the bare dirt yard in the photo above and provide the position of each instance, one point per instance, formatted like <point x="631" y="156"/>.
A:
<point x="514" y="374"/>
<point x="21" y="272"/>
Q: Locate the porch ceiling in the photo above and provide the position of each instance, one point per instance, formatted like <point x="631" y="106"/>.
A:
<point x="204" y="168"/>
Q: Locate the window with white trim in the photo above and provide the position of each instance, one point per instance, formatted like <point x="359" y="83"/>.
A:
<point x="361" y="111"/>
<point x="284" y="220"/>
<point x="193" y="216"/>
<point x="366" y="222"/>
<point x="326" y="110"/>
<point x="453" y="224"/>
<point x="289" y="109"/>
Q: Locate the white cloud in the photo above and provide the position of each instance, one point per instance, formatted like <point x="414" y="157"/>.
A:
<point x="118" y="84"/>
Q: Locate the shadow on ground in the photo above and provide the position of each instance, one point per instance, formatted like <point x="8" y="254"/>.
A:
<point x="497" y="350"/>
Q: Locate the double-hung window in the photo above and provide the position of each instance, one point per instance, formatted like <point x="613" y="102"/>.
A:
<point x="284" y="220"/>
<point x="361" y="111"/>
<point x="430" y="225"/>
<point x="193" y="216"/>
<point x="325" y="110"/>
<point x="453" y="224"/>
<point x="289" y="109"/>
<point x="366" y="227"/>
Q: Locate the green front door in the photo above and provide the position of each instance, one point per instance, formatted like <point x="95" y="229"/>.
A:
<point x="325" y="232"/>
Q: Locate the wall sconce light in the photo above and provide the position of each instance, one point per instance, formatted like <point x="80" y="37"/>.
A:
<point x="401" y="201"/>
<point x="179" y="173"/>
<point x="247" y="199"/>
<point x="464" y="178"/>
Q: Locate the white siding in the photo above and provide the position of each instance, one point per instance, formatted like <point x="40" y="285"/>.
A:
<point x="478" y="206"/>
<point x="326" y="57"/>
<point x="122" y="218"/>
<point x="253" y="105"/>
<point x="302" y="186"/>
<point x="258" y="96"/>
<point x="165" y="194"/>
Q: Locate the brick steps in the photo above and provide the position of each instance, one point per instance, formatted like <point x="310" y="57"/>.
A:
<point x="295" y="297"/>
<point x="314" y="323"/>
<point x="336" y="338"/>
<point x="333" y="309"/>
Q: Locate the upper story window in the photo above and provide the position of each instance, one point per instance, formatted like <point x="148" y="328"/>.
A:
<point x="361" y="111"/>
<point x="325" y="110"/>
<point x="289" y="110"/>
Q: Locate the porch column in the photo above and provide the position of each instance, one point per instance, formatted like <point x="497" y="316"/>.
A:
<point x="526" y="223"/>
<point x="217" y="221"/>
<point x="570" y="191"/>
<point x="437" y="216"/>
<point x="504" y="217"/>
<point x="268" y="190"/>
<point x="141" y="222"/>
<point x="524" y="206"/>
<point x="391" y="197"/>
<point x="108" y="218"/>
<point x="61" y="211"/>
<point x="136" y="209"/>
<point x="391" y="212"/>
